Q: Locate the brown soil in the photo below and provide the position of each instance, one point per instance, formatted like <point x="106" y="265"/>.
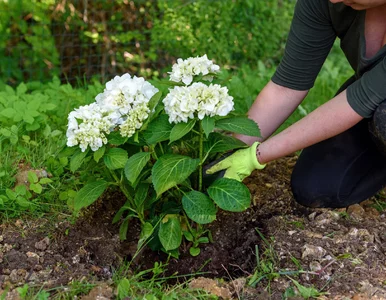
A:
<point x="339" y="252"/>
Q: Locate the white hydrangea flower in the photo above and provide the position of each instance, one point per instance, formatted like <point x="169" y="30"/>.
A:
<point x="184" y="70"/>
<point x="183" y="103"/>
<point x="134" y="120"/>
<point x="88" y="126"/>
<point x="123" y="103"/>
<point x="124" y="93"/>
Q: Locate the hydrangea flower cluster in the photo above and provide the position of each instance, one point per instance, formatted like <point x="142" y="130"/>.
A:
<point x="123" y="105"/>
<point x="186" y="102"/>
<point x="197" y="99"/>
<point x="184" y="70"/>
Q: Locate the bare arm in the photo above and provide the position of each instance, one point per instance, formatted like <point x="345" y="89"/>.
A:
<point x="272" y="107"/>
<point x="326" y="121"/>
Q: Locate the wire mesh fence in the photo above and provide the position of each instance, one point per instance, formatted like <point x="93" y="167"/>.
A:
<point x="75" y="40"/>
<point x="78" y="40"/>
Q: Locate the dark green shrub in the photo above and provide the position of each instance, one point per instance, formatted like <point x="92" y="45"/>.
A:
<point x="85" y="39"/>
<point x="27" y="47"/>
<point x="231" y="32"/>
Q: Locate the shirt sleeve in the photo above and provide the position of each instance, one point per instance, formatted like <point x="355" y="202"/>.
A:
<point x="365" y="94"/>
<point x="309" y="41"/>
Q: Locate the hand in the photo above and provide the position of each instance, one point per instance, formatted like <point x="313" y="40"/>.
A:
<point x="239" y="165"/>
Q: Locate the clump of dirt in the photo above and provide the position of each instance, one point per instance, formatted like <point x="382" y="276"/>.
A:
<point x="340" y="252"/>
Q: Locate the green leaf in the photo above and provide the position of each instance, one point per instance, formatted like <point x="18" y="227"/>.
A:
<point x="123" y="288"/>
<point x="146" y="232"/>
<point x="123" y="228"/>
<point x="194" y="251"/>
<point x="158" y="130"/>
<point x="6" y="132"/>
<point x="221" y="143"/>
<point x="8" y="112"/>
<point x="188" y="236"/>
<point x="23" y="202"/>
<point x="21" y="190"/>
<point x="119" y="213"/>
<point x="32" y="177"/>
<point x="77" y="159"/>
<point x="28" y="118"/>
<point x="199" y="207"/>
<point x="135" y="165"/>
<point x="154" y="100"/>
<point x="49" y="106"/>
<point x="45" y="180"/>
<point x="116" y="139"/>
<point x="181" y="129"/>
<point x="115" y="158"/>
<point x="32" y="127"/>
<point x="170" y="233"/>
<point x="89" y="194"/>
<point x="99" y="153"/>
<point x="170" y="170"/>
<point x="242" y="125"/>
<point x="306" y="292"/>
<point x="34" y="106"/>
<point x="21" y="89"/>
<point x="141" y="195"/>
<point x="230" y="194"/>
<point x="36" y="187"/>
<point x="11" y="194"/>
<point x="208" y="125"/>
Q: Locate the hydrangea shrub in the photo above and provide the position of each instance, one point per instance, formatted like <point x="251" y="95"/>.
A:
<point x="154" y="148"/>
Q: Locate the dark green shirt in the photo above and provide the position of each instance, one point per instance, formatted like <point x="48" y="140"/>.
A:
<point x="315" y="26"/>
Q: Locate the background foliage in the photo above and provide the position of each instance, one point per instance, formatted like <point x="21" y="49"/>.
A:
<point x="81" y="39"/>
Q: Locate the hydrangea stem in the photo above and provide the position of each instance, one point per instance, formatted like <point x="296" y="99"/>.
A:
<point x="121" y="185"/>
<point x="201" y="157"/>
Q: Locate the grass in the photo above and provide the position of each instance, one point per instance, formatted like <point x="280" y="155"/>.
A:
<point x="268" y="270"/>
<point x="148" y="284"/>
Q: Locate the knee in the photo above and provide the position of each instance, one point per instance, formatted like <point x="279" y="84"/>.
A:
<point x="307" y="191"/>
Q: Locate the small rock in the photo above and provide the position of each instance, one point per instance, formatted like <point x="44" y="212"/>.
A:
<point x="238" y="284"/>
<point x="43" y="244"/>
<point x="372" y="212"/>
<point x="76" y="259"/>
<point x="1" y="238"/>
<point x="311" y="217"/>
<point x="32" y="254"/>
<point x="211" y="286"/>
<point x="17" y="275"/>
<point x="6" y="271"/>
<point x="38" y="268"/>
<point x="99" y="292"/>
<point x="13" y="295"/>
<point x="315" y="266"/>
<point x="326" y="218"/>
<point x="33" y="277"/>
<point x="19" y="223"/>
<point x="356" y="212"/>
<point x="313" y="235"/>
<point x="312" y="251"/>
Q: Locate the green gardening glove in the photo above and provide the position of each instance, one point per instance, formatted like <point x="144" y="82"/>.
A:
<point x="239" y="165"/>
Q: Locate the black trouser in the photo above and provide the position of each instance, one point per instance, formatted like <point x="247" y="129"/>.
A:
<point x="345" y="169"/>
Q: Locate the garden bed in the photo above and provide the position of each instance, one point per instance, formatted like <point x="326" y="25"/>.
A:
<point x="340" y="252"/>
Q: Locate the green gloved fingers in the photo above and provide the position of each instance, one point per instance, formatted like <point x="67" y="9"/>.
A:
<point x="239" y="165"/>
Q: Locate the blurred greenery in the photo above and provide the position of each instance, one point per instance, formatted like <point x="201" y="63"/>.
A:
<point x="84" y="39"/>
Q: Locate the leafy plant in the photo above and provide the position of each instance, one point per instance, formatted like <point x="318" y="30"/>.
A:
<point x="154" y="151"/>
